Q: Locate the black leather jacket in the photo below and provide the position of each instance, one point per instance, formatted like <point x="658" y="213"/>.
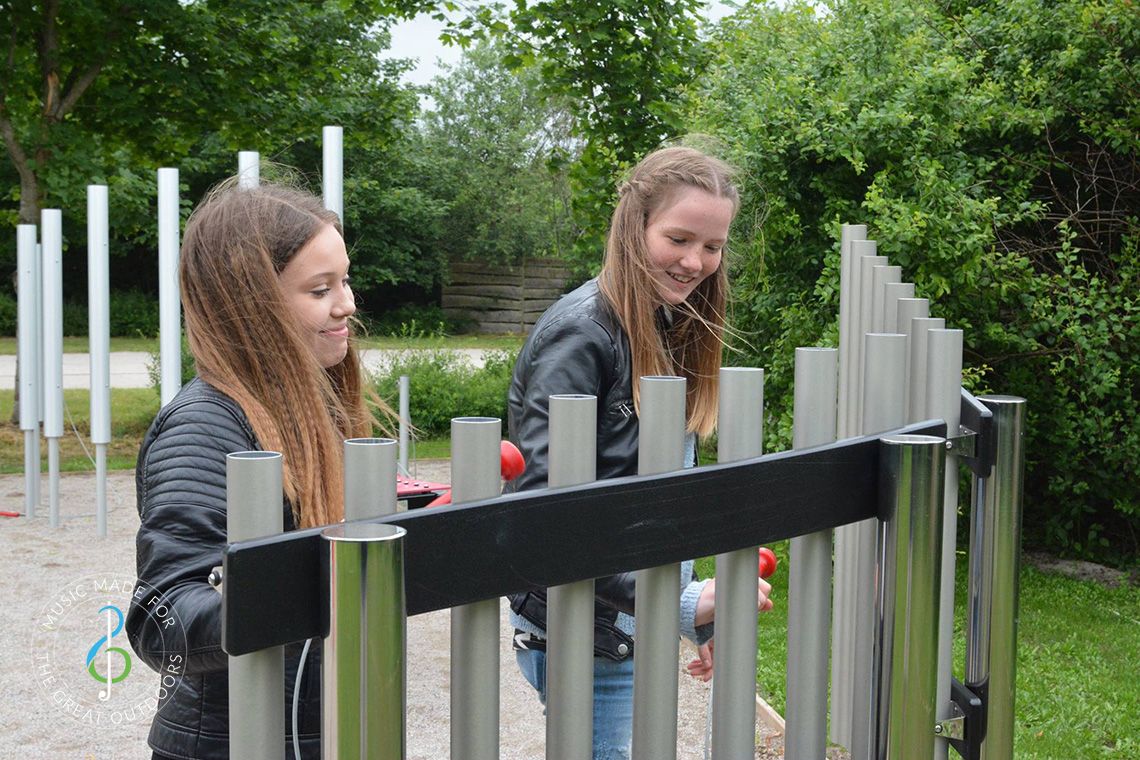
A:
<point x="578" y="346"/>
<point x="181" y="486"/>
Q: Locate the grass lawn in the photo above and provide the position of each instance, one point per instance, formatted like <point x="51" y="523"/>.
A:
<point x="1078" y="671"/>
<point x="78" y="345"/>
<point x="1078" y="677"/>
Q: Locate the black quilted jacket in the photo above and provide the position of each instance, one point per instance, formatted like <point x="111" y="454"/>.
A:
<point x="578" y="346"/>
<point x="181" y="485"/>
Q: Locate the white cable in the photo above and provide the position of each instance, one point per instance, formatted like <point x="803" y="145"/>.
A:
<point x="708" y="722"/>
<point x="297" y="699"/>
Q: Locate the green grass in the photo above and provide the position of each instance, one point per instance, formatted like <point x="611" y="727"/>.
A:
<point x="78" y="344"/>
<point x="73" y="344"/>
<point x="1078" y="681"/>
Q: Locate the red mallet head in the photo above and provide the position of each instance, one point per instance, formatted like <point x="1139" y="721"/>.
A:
<point x="510" y="460"/>
<point x="767" y="559"/>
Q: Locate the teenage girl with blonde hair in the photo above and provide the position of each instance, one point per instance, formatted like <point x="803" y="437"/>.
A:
<point x="268" y="308"/>
<point x="656" y="308"/>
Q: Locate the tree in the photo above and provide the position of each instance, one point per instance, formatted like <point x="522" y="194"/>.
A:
<point x="498" y="149"/>
<point x="993" y="150"/>
<point x="622" y="65"/>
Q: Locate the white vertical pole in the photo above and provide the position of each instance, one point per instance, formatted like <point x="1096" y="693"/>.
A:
<point x="28" y="346"/>
<point x="894" y="292"/>
<point x="51" y="222"/>
<point x="863" y="258"/>
<point x="249" y="169"/>
<point x="99" y="341"/>
<point x="910" y="309"/>
<point x="369" y="478"/>
<point x="848" y="320"/>
<point x="475" y="471"/>
<point x="809" y="574"/>
<point x="570" y="607"/>
<point x="332" y="175"/>
<point x="169" y="303"/>
<point x="883" y="409"/>
<point x="943" y="401"/>
<point x="405" y="423"/>
<point x="660" y="448"/>
<point x="919" y="328"/>
<point x="740" y="435"/>
<point x="880" y="277"/>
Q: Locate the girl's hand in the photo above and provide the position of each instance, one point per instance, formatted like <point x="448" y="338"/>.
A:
<point x="702" y="667"/>
<point x="706" y="602"/>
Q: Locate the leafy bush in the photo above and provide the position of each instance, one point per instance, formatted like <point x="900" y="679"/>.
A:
<point x="993" y="150"/>
<point x="443" y="384"/>
<point x="133" y="314"/>
<point x="9" y="310"/>
<point x="416" y="321"/>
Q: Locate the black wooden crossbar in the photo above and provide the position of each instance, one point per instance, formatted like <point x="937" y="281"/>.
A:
<point x="480" y="550"/>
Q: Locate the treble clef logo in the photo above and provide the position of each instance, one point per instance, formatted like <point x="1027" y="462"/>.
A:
<point x="93" y="652"/>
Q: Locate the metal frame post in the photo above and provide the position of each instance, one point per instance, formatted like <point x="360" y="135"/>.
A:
<point x="660" y="448"/>
<point x="405" y="423"/>
<point x="254" y="508"/>
<point x="364" y="657"/>
<point x="912" y="474"/>
<point x="570" y="608"/>
<point x="809" y="573"/>
<point x="475" y="471"/>
<point x="740" y="435"/>
<point x="99" y="342"/>
<point x="995" y="548"/>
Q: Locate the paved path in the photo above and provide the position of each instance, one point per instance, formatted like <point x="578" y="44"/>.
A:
<point x="52" y="709"/>
<point x="132" y="369"/>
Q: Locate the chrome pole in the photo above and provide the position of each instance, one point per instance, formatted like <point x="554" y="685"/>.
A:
<point x="475" y="472"/>
<point x="30" y="362"/>
<point x="911" y="476"/>
<point x="255" y="508"/>
<point x="405" y="423"/>
<point x="740" y="435"/>
<point x="99" y="342"/>
<point x="660" y="448"/>
<point x="364" y="657"/>
<point x="570" y="612"/>
<point x="991" y="641"/>
<point x="809" y="570"/>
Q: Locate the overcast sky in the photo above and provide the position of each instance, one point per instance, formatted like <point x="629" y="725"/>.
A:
<point x="419" y="39"/>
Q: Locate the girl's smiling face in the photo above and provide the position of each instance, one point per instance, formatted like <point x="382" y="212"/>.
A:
<point x="685" y="239"/>
<point x="315" y="282"/>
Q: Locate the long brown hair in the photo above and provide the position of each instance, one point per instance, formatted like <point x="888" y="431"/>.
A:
<point x="247" y="344"/>
<point x="690" y="346"/>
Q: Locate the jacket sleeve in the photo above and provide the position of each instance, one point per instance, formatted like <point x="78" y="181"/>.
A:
<point x="571" y="355"/>
<point x="182" y="535"/>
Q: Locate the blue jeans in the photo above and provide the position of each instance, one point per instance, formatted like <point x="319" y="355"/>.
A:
<point x="613" y="700"/>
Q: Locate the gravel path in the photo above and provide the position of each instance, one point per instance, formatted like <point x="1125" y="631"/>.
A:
<point x="57" y="581"/>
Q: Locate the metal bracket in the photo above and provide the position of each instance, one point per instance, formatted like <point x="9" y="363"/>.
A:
<point x="964" y="444"/>
<point x="966" y="730"/>
<point x="978" y="428"/>
<point x="952" y="728"/>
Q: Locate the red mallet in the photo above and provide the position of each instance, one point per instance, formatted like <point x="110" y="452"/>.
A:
<point x="768" y="563"/>
<point x="511" y="463"/>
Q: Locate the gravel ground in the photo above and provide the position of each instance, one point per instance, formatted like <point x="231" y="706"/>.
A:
<point x="58" y="582"/>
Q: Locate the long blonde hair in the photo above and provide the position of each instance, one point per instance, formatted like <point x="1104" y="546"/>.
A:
<point x="247" y="344"/>
<point x="690" y="346"/>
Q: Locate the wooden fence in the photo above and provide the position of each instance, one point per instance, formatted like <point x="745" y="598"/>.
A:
<point x="501" y="298"/>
